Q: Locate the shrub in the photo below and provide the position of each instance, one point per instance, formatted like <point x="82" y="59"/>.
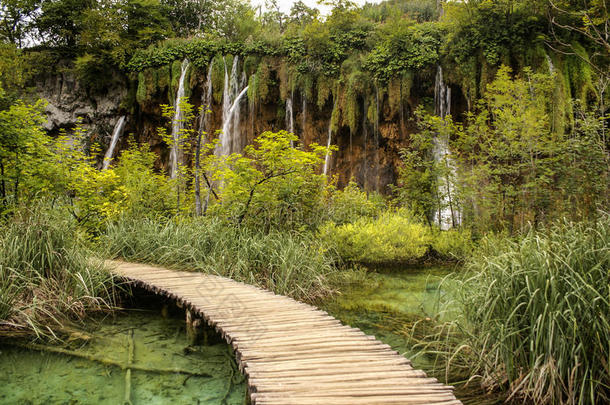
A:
<point x="454" y="244"/>
<point x="394" y="237"/>
<point x="351" y="203"/>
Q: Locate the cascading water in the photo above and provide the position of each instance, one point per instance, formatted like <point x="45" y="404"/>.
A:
<point x="206" y="103"/>
<point x="377" y="113"/>
<point x="330" y="136"/>
<point x="226" y="137"/>
<point x="327" y="158"/>
<point x="116" y="134"/>
<point x="447" y="215"/>
<point x="176" y="153"/>
<point x="230" y="138"/>
<point x="290" y="118"/>
<point x="365" y="136"/>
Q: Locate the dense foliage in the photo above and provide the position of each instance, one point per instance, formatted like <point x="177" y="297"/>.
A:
<point x="528" y="148"/>
<point x="47" y="274"/>
<point x="536" y="314"/>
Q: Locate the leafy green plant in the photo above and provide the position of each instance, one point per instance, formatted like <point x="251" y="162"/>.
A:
<point x="393" y="237"/>
<point x="272" y="185"/>
<point x="454" y="244"/>
<point x="351" y="203"/>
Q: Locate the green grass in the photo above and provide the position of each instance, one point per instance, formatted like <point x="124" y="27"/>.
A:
<point x="46" y="275"/>
<point x="288" y="264"/>
<point x="536" y="316"/>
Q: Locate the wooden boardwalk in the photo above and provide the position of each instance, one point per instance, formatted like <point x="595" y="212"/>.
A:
<point x="290" y="352"/>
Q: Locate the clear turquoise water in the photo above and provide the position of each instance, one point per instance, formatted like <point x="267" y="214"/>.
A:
<point x="33" y="377"/>
<point x="388" y="303"/>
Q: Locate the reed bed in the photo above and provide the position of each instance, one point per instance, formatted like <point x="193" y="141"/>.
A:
<point x="47" y="277"/>
<point x="536" y="317"/>
<point x="286" y="263"/>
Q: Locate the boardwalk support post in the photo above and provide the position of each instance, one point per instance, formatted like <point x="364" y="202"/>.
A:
<point x="194" y="328"/>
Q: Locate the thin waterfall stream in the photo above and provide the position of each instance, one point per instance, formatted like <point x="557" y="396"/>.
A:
<point x="204" y="123"/>
<point x="447" y="214"/>
<point x="116" y="134"/>
<point x="176" y="154"/>
<point x="290" y="118"/>
<point x="230" y="138"/>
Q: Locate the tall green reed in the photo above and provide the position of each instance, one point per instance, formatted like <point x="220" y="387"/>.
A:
<point x="536" y="316"/>
<point x="47" y="276"/>
<point x="286" y="263"/>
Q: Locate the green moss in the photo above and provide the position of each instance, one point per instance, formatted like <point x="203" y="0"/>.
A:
<point x="581" y="75"/>
<point x="141" y="91"/>
<point x="218" y="78"/>
<point x="325" y="85"/>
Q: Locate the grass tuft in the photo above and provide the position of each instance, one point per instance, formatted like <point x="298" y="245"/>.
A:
<point x="288" y="264"/>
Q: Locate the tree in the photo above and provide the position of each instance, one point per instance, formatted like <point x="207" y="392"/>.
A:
<point x="274" y="15"/>
<point x="61" y="21"/>
<point x="588" y="19"/>
<point x="272" y="185"/>
<point x="23" y="152"/>
<point x="16" y="18"/>
<point x="302" y="15"/>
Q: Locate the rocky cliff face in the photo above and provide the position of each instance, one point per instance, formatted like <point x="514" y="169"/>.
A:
<point x="369" y="155"/>
<point x="71" y="104"/>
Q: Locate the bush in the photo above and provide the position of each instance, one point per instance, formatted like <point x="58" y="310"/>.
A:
<point x="287" y="264"/>
<point x="46" y="274"/>
<point x="537" y="314"/>
<point x="394" y="237"/>
<point x="351" y="203"/>
<point x="454" y="244"/>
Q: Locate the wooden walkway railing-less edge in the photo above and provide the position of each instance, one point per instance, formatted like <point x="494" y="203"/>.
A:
<point x="290" y="352"/>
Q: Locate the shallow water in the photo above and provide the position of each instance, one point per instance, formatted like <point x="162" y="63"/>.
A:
<point x="390" y="301"/>
<point x="34" y="377"/>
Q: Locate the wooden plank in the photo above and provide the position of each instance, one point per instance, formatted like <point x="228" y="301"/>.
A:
<point x="291" y="352"/>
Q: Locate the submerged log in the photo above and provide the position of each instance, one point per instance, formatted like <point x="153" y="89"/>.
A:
<point x="107" y="362"/>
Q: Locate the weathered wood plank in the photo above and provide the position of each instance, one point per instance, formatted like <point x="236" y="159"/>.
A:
<point x="291" y="352"/>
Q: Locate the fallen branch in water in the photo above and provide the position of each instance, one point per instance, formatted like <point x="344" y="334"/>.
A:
<point x="108" y="362"/>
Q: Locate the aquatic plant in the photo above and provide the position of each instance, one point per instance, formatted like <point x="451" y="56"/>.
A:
<point x="536" y="316"/>
<point x="46" y="274"/>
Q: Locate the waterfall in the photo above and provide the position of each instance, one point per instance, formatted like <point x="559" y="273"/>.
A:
<point x="206" y="103"/>
<point x="175" y="157"/>
<point x="330" y="135"/>
<point x="376" y="134"/>
<point x="550" y="63"/>
<point x="365" y="135"/>
<point x="448" y="214"/>
<point x="289" y="118"/>
<point x="327" y="158"/>
<point x="116" y="134"/>
<point x="442" y="95"/>
<point x="226" y="137"/>
<point x="230" y="138"/>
